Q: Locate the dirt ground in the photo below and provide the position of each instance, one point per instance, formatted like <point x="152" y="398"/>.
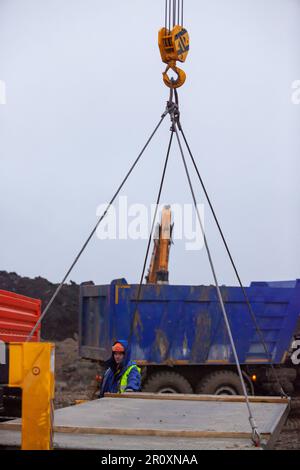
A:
<point x="62" y="323"/>
<point x="75" y="380"/>
<point x="289" y="438"/>
<point x="74" y="377"/>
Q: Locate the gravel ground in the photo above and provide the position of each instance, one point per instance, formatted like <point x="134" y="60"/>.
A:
<point x="74" y="377"/>
<point x="289" y="438"/>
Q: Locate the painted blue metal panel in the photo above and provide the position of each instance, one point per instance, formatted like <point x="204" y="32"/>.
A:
<point x="184" y="324"/>
<point x="275" y="283"/>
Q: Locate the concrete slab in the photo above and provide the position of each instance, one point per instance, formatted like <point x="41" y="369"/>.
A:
<point x="160" y="423"/>
<point x="172" y="415"/>
<point x="64" y="441"/>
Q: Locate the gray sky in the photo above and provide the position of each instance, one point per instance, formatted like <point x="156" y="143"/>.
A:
<point x="84" y="90"/>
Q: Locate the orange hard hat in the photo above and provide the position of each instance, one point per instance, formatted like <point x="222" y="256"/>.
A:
<point x="118" y="347"/>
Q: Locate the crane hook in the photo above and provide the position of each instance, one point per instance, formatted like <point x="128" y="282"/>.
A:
<point x="174" y="46"/>
<point x="181" y="76"/>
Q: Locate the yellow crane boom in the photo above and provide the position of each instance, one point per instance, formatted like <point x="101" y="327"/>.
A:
<point x="158" y="272"/>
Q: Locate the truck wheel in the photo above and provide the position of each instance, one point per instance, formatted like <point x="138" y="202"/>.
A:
<point x="221" y="382"/>
<point x="167" y="382"/>
<point x="288" y="387"/>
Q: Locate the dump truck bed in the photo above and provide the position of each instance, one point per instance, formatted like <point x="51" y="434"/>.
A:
<point x="184" y="324"/>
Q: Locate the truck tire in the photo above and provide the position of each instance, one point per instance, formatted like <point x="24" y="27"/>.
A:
<point x="288" y="387"/>
<point x="285" y="374"/>
<point x="221" y="382"/>
<point x="167" y="382"/>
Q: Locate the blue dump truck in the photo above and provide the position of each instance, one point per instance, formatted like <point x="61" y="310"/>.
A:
<point x="179" y="338"/>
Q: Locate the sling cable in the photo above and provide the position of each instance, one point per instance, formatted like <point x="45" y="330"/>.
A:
<point x="174" y="45"/>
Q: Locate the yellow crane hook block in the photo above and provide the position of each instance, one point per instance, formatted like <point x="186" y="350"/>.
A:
<point x="30" y="367"/>
<point x="174" y="46"/>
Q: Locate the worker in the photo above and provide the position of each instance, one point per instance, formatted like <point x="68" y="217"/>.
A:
<point x="122" y="375"/>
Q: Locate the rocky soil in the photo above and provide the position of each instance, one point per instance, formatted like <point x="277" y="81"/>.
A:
<point x="289" y="438"/>
<point x="62" y="320"/>
<point x="75" y="377"/>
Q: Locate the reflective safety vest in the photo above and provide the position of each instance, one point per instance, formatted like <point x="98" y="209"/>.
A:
<point x="124" y="378"/>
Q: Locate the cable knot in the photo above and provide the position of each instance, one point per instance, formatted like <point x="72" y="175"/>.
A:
<point x="173" y="108"/>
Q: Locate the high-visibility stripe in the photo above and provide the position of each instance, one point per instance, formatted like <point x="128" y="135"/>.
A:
<point x="124" y="378"/>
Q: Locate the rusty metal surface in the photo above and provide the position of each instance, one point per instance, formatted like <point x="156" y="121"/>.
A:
<point x="184" y="324"/>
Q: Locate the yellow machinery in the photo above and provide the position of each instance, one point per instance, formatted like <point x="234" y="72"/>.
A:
<point x="31" y="368"/>
<point x="173" y="46"/>
<point x="159" y="266"/>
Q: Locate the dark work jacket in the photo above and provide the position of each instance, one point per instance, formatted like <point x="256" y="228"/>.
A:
<point x="113" y="375"/>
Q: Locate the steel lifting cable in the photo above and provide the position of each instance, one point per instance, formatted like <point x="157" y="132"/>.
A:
<point x="174" y="12"/>
<point x="255" y="433"/>
<point x="166" y="13"/>
<point x="258" y="330"/>
<point x="133" y="321"/>
<point x="182" y="13"/>
<point x="94" y="230"/>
